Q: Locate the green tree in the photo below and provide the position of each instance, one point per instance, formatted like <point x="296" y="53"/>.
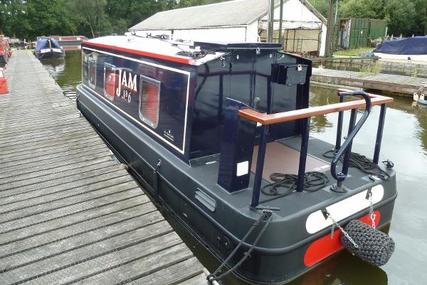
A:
<point x="13" y="20"/>
<point x="321" y="6"/>
<point x="126" y="13"/>
<point x="362" y="9"/>
<point x="420" y="17"/>
<point x="400" y="17"/>
<point x="48" y="18"/>
<point x="91" y="14"/>
<point x="32" y="18"/>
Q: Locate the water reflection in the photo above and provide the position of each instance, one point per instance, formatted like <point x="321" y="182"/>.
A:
<point x="322" y="96"/>
<point x="343" y="269"/>
<point x="408" y="110"/>
<point x="55" y="66"/>
<point x="66" y="71"/>
<point x="405" y="143"/>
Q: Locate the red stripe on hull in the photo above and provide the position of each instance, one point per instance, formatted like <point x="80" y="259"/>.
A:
<point x="327" y="245"/>
<point x="143" y="53"/>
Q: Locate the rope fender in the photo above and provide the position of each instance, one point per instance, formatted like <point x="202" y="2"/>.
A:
<point x="373" y="246"/>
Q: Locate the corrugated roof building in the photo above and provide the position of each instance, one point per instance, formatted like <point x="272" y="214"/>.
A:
<point x="303" y="27"/>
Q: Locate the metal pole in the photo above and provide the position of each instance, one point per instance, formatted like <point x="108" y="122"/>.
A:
<point x="347" y="155"/>
<point x="339" y="127"/>
<point x="379" y="134"/>
<point x="270" y="21"/>
<point x="221" y="96"/>
<point x="305" y="133"/>
<point x="259" y="166"/>
<point x="281" y="23"/>
<point x="330" y="29"/>
<point x="269" y="96"/>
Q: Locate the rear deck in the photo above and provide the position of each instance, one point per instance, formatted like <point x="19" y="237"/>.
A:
<point x="69" y="212"/>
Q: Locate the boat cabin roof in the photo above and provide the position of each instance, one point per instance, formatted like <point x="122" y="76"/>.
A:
<point x="192" y="53"/>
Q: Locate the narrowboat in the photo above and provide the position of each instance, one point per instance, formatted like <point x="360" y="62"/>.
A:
<point x="47" y="47"/>
<point x="69" y="43"/>
<point x="218" y="134"/>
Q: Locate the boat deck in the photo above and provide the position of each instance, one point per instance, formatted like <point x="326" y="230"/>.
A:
<point x="70" y="213"/>
<point x="282" y="156"/>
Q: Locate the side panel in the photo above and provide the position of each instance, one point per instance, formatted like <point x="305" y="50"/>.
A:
<point x="153" y="96"/>
<point x="245" y="76"/>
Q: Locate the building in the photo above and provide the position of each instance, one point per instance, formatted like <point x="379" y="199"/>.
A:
<point x="360" y="32"/>
<point x="303" y="27"/>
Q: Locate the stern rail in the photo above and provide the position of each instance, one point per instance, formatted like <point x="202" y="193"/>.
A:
<point x="304" y="115"/>
<point x="276" y="118"/>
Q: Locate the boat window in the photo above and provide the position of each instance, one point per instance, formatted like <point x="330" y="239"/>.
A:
<point x="111" y="81"/>
<point x="54" y="44"/>
<point x="149" y="101"/>
<point x="92" y="70"/>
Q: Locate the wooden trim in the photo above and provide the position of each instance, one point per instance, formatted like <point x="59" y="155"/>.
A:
<point x="270" y="119"/>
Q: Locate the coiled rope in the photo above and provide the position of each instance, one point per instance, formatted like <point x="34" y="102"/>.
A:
<point x="362" y="163"/>
<point x="284" y="184"/>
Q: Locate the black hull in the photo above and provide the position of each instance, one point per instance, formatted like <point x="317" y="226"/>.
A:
<point x="50" y="55"/>
<point x="279" y="257"/>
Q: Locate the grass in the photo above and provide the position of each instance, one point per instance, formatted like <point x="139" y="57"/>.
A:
<point x="371" y="68"/>
<point x="352" y="52"/>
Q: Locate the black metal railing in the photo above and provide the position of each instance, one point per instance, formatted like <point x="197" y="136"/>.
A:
<point x="303" y="116"/>
<point x="353" y="129"/>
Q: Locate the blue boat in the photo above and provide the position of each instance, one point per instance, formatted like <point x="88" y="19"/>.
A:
<point x="47" y="47"/>
<point x="218" y="134"/>
<point x="414" y="48"/>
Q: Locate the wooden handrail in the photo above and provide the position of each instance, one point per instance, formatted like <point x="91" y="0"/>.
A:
<point x="270" y="119"/>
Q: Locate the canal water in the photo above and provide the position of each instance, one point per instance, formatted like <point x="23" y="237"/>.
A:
<point x="404" y="142"/>
<point x="66" y="71"/>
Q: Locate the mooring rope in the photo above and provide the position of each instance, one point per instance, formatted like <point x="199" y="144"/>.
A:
<point x="265" y="217"/>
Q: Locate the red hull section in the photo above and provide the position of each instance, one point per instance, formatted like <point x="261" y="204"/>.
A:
<point x="328" y="245"/>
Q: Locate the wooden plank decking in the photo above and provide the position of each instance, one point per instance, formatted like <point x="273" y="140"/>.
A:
<point x="406" y="85"/>
<point x="69" y="213"/>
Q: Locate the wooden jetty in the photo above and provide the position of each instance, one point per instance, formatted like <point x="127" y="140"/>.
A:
<point x="69" y="212"/>
<point x="405" y="85"/>
<point x="400" y="67"/>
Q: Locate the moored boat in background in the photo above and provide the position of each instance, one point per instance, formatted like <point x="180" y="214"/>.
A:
<point x="47" y="47"/>
<point x="70" y="42"/>
<point x="414" y="49"/>
<point x="219" y="134"/>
